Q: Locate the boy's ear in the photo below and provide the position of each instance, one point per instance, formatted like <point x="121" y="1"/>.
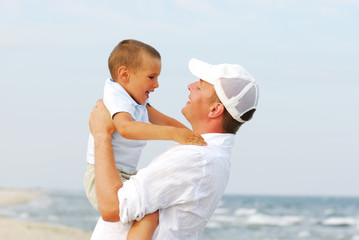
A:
<point x="123" y="74"/>
<point x="216" y="110"/>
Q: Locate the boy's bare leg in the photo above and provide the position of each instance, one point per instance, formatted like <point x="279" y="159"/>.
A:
<point x="144" y="229"/>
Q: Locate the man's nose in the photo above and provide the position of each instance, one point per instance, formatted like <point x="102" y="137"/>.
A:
<point x="190" y="86"/>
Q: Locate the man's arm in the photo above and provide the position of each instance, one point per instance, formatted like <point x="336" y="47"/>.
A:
<point x="107" y="179"/>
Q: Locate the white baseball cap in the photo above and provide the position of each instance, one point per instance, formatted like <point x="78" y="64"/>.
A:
<point x="235" y="87"/>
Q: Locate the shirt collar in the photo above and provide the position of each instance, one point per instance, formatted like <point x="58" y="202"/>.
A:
<point x="225" y="140"/>
<point x="121" y="89"/>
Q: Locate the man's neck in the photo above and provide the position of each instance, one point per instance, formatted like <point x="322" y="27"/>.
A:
<point x="207" y="128"/>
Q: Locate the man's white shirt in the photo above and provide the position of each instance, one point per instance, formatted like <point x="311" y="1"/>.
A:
<point x="185" y="183"/>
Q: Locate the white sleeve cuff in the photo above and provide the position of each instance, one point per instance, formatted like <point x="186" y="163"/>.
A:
<point x="130" y="205"/>
<point x="110" y="230"/>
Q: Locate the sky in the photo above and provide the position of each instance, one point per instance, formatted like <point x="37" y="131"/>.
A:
<point x="304" y="55"/>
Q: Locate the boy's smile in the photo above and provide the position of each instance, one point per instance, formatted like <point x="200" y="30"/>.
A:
<point x="145" y="80"/>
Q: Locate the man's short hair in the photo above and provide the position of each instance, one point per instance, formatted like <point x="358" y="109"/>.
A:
<point x="129" y="53"/>
<point x="229" y="124"/>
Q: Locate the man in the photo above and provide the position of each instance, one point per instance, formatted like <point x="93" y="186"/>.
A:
<point x="186" y="182"/>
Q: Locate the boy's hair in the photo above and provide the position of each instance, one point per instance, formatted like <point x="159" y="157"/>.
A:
<point x="129" y="53"/>
<point x="229" y="124"/>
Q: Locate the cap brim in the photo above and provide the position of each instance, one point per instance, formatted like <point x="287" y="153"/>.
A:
<point x="201" y="69"/>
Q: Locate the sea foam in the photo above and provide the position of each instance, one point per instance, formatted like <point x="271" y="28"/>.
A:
<point x="261" y="219"/>
<point x="245" y="211"/>
<point x="340" y="221"/>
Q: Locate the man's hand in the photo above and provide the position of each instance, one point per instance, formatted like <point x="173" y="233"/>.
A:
<point x="188" y="137"/>
<point x="101" y="124"/>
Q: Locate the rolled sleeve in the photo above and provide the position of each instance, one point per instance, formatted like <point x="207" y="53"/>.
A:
<point x="130" y="204"/>
<point x="110" y="230"/>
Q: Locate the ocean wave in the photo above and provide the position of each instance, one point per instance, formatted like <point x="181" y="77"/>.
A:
<point x="222" y="211"/>
<point x="52" y="218"/>
<point x="42" y="203"/>
<point x="266" y="220"/>
<point x="221" y="203"/>
<point x="304" y="234"/>
<point x="245" y="211"/>
<point x="224" y="219"/>
<point x="340" y="221"/>
<point x="214" y="224"/>
<point x="242" y="220"/>
<point x="24" y="215"/>
<point x="7" y="212"/>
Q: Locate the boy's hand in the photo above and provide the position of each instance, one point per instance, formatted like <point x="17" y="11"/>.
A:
<point x="101" y="124"/>
<point x="188" y="137"/>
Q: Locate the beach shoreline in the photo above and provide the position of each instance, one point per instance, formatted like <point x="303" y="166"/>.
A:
<point x="13" y="196"/>
<point x="15" y="229"/>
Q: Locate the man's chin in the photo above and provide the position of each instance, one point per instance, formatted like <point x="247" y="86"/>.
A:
<point x="184" y="112"/>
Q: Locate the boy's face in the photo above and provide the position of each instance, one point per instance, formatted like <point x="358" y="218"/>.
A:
<point x="145" y="80"/>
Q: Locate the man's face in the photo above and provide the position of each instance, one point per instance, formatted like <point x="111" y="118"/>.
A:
<point x="198" y="106"/>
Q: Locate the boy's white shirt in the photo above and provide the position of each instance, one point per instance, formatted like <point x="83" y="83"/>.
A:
<point x="127" y="152"/>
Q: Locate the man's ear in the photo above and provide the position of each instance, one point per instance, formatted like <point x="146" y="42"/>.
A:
<point x="216" y="110"/>
<point x="123" y="74"/>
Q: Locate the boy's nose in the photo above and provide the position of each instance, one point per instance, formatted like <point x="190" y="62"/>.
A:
<point x="156" y="84"/>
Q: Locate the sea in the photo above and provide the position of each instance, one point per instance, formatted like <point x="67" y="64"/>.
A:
<point x="239" y="217"/>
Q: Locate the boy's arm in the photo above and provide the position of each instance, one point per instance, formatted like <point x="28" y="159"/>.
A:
<point x="145" y="131"/>
<point x="156" y="117"/>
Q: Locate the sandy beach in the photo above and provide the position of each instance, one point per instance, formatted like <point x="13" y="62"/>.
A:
<point x="19" y="230"/>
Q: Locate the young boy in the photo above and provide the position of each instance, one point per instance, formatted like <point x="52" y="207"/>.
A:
<point x="134" y="68"/>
